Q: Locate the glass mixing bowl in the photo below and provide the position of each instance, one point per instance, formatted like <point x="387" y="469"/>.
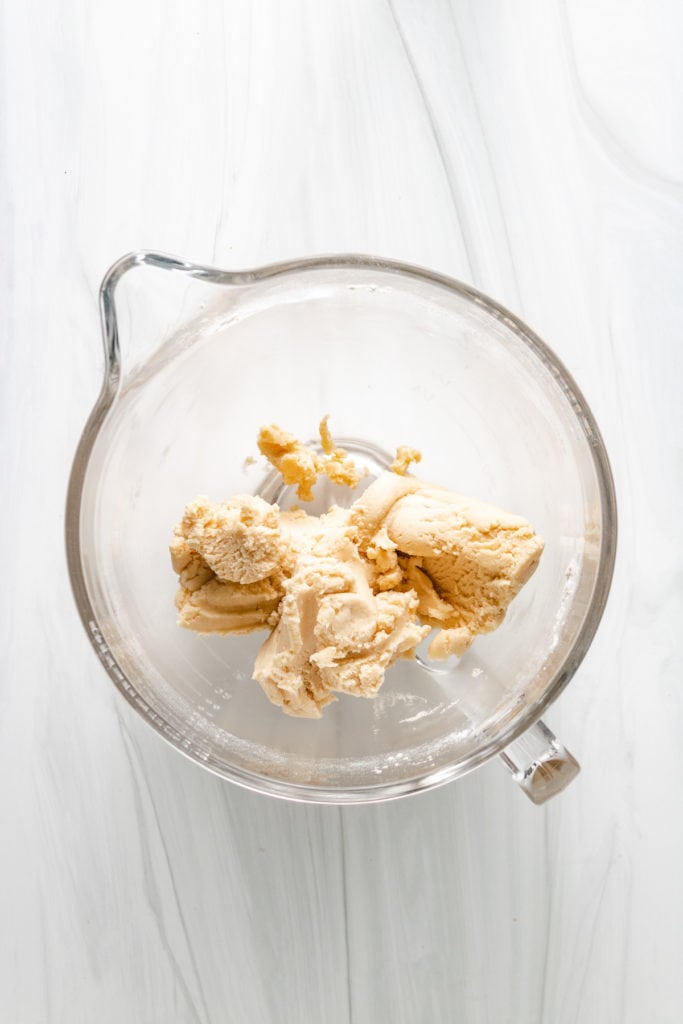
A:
<point x="396" y="355"/>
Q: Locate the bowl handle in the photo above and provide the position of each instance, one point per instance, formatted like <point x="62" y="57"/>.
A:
<point x="158" y="261"/>
<point x="539" y="763"/>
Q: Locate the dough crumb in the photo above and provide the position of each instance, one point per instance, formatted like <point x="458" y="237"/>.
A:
<point x="404" y="456"/>
<point x="325" y="436"/>
<point x="300" y="464"/>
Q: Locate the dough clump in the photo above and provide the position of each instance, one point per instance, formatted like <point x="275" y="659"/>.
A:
<point x="345" y="594"/>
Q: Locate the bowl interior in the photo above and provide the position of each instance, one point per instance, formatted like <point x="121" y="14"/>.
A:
<point x="394" y="359"/>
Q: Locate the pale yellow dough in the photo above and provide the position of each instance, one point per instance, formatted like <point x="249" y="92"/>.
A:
<point x="301" y="465"/>
<point x="347" y="593"/>
<point x="334" y="634"/>
<point x="404" y="456"/>
<point x="464" y="559"/>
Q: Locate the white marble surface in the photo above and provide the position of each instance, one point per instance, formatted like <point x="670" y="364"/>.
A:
<point x="535" y="149"/>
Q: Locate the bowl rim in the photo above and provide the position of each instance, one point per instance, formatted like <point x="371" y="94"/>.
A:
<point x="296" y="791"/>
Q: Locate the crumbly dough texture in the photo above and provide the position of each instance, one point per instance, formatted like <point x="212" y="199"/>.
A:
<point x="347" y="593"/>
<point x="404" y="456"/>
<point x="334" y="634"/>
<point x="465" y="560"/>
<point x="301" y="465"/>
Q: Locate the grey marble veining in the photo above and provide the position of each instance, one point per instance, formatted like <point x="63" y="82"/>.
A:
<point x="534" y="150"/>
